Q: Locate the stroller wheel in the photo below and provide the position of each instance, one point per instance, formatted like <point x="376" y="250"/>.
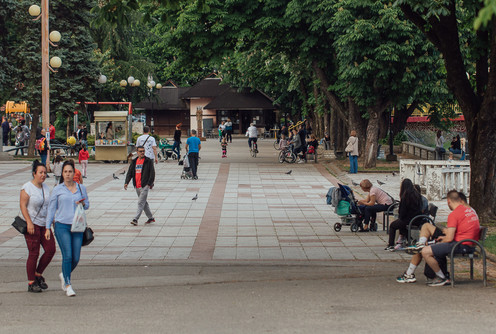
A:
<point x="337" y="227"/>
<point x="354" y="227"/>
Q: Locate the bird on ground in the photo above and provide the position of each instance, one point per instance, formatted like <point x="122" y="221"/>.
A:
<point x="123" y="172"/>
<point x="115" y="177"/>
<point x="354" y="183"/>
<point x="195" y="198"/>
<point x="289" y="173"/>
<point x="394" y="173"/>
<point x="380" y="183"/>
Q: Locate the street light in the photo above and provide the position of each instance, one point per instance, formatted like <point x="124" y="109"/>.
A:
<point x="151" y="85"/>
<point x="46" y="63"/>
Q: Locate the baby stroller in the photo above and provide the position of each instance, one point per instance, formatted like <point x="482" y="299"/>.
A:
<point x="187" y="173"/>
<point x="348" y="210"/>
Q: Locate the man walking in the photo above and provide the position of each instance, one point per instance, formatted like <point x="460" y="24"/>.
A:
<point x="5" y="129"/>
<point x="193" y="147"/>
<point x="148" y="142"/>
<point x="142" y="172"/>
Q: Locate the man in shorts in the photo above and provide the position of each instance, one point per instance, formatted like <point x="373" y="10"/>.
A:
<point x="463" y="223"/>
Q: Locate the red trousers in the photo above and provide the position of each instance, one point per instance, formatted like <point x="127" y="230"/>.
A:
<point x="33" y="242"/>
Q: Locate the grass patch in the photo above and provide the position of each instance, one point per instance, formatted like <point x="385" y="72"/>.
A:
<point x="490" y="243"/>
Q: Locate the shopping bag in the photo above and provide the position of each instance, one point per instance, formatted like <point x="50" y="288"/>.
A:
<point x="79" y="222"/>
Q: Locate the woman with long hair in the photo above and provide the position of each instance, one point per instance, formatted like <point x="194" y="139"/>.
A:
<point x="410" y="206"/>
<point x="35" y="196"/>
<point x="63" y="203"/>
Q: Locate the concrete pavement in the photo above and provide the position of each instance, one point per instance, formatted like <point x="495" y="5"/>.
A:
<point x="255" y="253"/>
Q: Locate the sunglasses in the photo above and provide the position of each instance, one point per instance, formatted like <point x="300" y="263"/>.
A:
<point x="141" y="151"/>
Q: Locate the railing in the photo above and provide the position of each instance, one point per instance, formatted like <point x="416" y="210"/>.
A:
<point x="419" y="150"/>
<point x="437" y="177"/>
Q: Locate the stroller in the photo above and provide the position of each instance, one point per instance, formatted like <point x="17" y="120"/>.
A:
<point x="165" y="150"/>
<point x="187" y="173"/>
<point x="348" y="210"/>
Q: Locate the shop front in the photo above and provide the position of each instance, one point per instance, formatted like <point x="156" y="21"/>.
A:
<point x="111" y="136"/>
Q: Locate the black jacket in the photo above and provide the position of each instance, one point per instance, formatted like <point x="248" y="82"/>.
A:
<point x="177" y="136"/>
<point x="147" y="174"/>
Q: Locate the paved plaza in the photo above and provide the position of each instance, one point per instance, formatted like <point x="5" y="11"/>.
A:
<point x="247" y="209"/>
<point x="256" y="252"/>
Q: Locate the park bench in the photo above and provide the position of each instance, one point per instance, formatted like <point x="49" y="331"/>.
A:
<point x="476" y="254"/>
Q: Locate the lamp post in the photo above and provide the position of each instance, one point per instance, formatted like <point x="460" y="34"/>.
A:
<point x="151" y="85"/>
<point x="46" y="64"/>
<point x="132" y="83"/>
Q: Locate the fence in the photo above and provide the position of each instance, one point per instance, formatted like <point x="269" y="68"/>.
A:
<point x="437" y="177"/>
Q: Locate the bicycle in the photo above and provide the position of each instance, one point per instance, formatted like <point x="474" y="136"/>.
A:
<point x="287" y="155"/>
<point x="254" y="149"/>
<point x="276" y="145"/>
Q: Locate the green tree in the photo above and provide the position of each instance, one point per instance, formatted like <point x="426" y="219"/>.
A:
<point x="446" y="24"/>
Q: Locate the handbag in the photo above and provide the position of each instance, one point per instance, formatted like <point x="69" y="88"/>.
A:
<point x="349" y="147"/>
<point x="88" y="236"/>
<point x="20" y="224"/>
<point x="79" y="221"/>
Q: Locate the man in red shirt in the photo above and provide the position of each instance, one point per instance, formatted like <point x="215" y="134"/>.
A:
<point x="142" y="171"/>
<point x="463" y="223"/>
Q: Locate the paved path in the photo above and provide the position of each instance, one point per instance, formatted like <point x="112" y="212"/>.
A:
<point x="247" y="209"/>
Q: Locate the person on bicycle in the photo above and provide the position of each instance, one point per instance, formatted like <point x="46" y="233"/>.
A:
<point x="252" y="134"/>
<point x="296" y="142"/>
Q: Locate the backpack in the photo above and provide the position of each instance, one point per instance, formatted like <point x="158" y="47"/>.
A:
<point x="311" y="149"/>
<point x="40" y="144"/>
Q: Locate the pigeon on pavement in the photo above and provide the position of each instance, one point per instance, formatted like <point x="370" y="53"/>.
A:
<point x="289" y="173"/>
<point x="195" y="198"/>
<point x="123" y="172"/>
<point x="115" y="177"/>
<point x="354" y="183"/>
<point x="380" y="183"/>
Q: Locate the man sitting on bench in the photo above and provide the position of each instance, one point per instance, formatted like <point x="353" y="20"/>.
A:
<point x="377" y="201"/>
<point x="463" y="223"/>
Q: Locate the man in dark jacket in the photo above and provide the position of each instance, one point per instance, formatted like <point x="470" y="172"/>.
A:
<point x="142" y="172"/>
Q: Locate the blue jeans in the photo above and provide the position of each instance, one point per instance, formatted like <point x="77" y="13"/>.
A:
<point x="353" y="164"/>
<point x="455" y="151"/>
<point x="177" y="148"/>
<point x="70" y="246"/>
<point x="43" y="156"/>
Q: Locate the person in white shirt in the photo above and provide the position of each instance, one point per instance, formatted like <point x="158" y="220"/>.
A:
<point x="148" y="142"/>
<point x="252" y="134"/>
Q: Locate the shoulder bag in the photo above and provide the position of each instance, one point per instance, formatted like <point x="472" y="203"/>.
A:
<point x="88" y="235"/>
<point x="20" y="224"/>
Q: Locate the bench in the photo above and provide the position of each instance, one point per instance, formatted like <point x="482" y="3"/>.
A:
<point x="481" y="254"/>
<point x="430" y="217"/>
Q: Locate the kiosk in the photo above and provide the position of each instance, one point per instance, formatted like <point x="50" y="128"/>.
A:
<point x="111" y="135"/>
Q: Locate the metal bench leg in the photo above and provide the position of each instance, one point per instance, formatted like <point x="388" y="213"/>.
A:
<point x="452" y="270"/>
<point x="484" y="273"/>
<point x="471" y="268"/>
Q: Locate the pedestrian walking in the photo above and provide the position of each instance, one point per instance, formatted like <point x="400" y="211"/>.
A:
<point x="35" y="196"/>
<point x="229" y="130"/>
<point x="57" y="168"/>
<point x="222" y="130"/>
<point x="142" y="171"/>
<point x="193" y="147"/>
<point x="84" y="155"/>
<point x="42" y="147"/>
<point x="5" y="131"/>
<point x="63" y="203"/>
<point x="177" y="141"/>
<point x="223" y="145"/>
<point x="352" y="150"/>
<point x="148" y="142"/>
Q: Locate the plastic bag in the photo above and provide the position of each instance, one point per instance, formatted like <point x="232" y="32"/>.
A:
<point x="79" y="222"/>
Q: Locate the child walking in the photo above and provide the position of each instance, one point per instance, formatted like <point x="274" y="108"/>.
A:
<point x="57" y="168"/>
<point x="84" y="155"/>
<point x="223" y="144"/>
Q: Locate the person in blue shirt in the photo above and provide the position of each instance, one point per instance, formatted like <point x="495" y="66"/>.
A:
<point x="64" y="200"/>
<point x="193" y="147"/>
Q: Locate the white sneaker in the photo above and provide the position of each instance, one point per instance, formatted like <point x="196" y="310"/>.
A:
<point x="62" y="281"/>
<point x="69" y="292"/>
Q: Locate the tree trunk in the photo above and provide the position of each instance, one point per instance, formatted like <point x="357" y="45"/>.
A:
<point x="357" y="123"/>
<point x="68" y="127"/>
<point x="32" y="135"/>
<point x="372" y="137"/>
